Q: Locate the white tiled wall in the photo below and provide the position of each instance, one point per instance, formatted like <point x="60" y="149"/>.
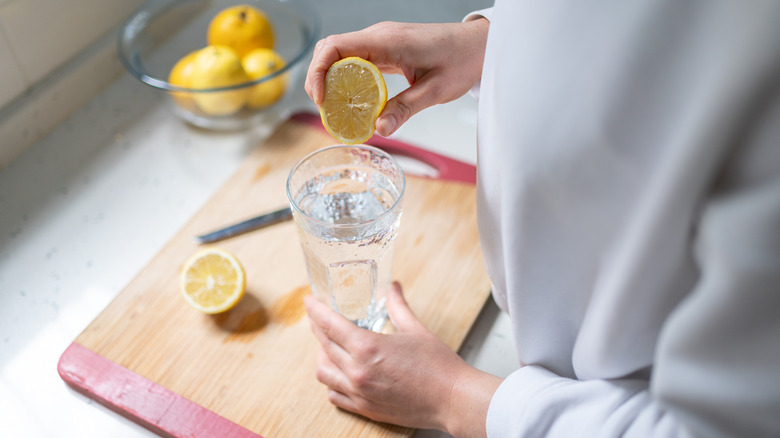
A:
<point x="12" y="82"/>
<point x="42" y="34"/>
<point x="37" y="39"/>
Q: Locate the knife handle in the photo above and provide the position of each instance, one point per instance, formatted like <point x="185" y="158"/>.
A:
<point x="254" y="223"/>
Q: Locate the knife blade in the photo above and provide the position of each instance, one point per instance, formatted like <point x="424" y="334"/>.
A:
<point x="254" y="223"/>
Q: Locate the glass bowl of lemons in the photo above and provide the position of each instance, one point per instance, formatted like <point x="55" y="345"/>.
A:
<point x="222" y="64"/>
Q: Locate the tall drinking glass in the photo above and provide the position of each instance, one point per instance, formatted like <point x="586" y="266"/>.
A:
<point x="346" y="202"/>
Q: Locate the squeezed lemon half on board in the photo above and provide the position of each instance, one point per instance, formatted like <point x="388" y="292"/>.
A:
<point x="212" y="281"/>
<point x="355" y="95"/>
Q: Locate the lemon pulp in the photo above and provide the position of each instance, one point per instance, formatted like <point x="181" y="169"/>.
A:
<point x="355" y="95"/>
<point x="212" y="281"/>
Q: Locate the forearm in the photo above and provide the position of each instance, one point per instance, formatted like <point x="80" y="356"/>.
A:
<point x="475" y="32"/>
<point x="468" y="403"/>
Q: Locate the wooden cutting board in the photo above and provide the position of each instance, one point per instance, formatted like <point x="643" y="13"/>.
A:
<point x="251" y="371"/>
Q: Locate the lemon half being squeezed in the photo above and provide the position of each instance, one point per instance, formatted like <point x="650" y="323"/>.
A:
<point x="355" y="95"/>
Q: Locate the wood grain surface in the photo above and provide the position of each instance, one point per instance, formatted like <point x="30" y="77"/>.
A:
<point x="254" y="365"/>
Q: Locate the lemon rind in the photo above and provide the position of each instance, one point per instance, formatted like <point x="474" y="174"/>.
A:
<point x="241" y="281"/>
<point x="379" y="79"/>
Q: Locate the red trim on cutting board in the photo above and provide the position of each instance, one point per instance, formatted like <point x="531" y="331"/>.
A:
<point x="153" y="406"/>
<point x="448" y="169"/>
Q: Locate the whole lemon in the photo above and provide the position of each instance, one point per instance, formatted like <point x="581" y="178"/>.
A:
<point x="180" y="76"/>
<point x="241" y="27"/>
<point x="260" y="63"/>
<point x="217" y="67"/>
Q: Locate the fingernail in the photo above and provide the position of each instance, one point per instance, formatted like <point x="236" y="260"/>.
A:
<point x="386" y="125"/>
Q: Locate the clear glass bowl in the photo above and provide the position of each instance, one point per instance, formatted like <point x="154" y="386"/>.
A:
<point x="163" y="31"/>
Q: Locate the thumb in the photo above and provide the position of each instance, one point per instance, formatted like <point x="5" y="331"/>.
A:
<point x="400" y="314"/>
<point x="422" y="94"/>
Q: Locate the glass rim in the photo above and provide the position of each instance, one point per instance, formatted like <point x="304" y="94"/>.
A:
<point x="369" y="148"/>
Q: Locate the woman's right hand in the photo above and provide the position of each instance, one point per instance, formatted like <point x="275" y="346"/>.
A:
<point x="441" y="62"/>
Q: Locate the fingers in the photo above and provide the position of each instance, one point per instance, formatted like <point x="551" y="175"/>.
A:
<point x="340" y="400"/>
<point x="338" y="385"/>
<point x="400" y="314"/>
<point x="329" y="374"/>
<point x="338" y="355"/>
<point x="332" y="359"/>
<point x="328" y="325"/>
<point x="329" y="50"/>
<point x="325" y="54"/>
<point x="339" y="337"/>
<point x="387" y="123"/>
<point x="420" y="95"/>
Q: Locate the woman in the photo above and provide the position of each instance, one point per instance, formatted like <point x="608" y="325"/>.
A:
<point x="629" y="213"/>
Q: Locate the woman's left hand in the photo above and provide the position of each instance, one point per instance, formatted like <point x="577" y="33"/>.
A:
<point x="410" y="378"/>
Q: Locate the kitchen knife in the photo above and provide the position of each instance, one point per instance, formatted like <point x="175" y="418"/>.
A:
<point x="255" y="223"/>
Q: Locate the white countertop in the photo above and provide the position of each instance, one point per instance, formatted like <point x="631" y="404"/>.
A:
<point x="82" y="211"/>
